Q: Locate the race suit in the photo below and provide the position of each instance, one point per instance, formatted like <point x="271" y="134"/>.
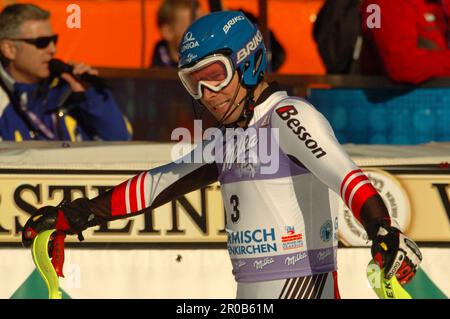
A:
<point x="281" y="213"/>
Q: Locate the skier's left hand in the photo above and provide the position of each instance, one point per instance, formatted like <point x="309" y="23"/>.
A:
<point x="396" y="253"/>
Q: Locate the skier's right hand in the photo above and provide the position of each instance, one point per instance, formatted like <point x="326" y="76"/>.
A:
<point x="69" y="218"/>
<point x="45" y="218"/>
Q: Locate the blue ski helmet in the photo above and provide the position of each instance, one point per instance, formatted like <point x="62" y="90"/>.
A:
<point x="230" y="33"/>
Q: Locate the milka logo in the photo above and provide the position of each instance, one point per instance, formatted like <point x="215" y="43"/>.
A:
<point x="246" y="170"/>
<point x="190" y="57"/>
<point x="239" y="263"/>
<point x="189" y="42"/>
<point x="323" y="254"/>
<point x="291" y="261"/>
<point x="249" y="47"/>
<point x="260" y="264"/>
<point x="231" y="22"/>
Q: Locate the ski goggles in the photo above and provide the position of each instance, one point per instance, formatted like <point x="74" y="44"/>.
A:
<point x="214" y="72"/>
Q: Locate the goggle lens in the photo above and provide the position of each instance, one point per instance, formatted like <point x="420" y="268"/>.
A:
<point x="214" y="73"/>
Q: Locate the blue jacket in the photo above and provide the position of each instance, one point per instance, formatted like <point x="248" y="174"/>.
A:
<point x="89" y="116"/>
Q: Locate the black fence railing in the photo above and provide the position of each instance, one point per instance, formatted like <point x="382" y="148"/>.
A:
<point x="156" y="103"/>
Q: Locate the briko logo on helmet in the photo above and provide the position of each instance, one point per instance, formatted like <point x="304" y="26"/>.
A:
<point x="231" y="22"/>
<point x="228" y="33"/>
<point x="251" y="46"/>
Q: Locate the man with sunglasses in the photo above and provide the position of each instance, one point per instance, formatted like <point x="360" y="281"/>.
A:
<point x="281" y="223"/>
<point x="37" y="105"/>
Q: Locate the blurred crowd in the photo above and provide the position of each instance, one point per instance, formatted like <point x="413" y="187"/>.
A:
<point x="407" y="41"/>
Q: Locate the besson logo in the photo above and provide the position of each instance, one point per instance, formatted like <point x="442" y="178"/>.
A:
<point x="294" y="124"/>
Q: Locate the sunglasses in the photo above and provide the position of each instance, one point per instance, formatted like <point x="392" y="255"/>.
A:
<point x="40" y="42"/>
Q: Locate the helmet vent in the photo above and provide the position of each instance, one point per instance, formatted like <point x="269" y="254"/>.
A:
<point x="258" y="60"/>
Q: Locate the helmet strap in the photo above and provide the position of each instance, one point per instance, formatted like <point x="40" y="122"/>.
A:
<point x="198" y="108"/>
<point x="249" y="107"/>
<point x="248" y="110"/>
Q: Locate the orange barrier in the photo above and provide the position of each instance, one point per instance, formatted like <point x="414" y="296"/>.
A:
<point x="112" y="31"/>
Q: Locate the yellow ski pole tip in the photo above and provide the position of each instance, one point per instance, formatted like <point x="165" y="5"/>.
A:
<point x="384" y="288"/>
<point x="39" y="251"/>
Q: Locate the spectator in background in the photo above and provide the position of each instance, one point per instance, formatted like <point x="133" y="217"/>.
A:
<point x="412" y="44"/>
<point x="174" y="16"/>
<point x="337" y="33"/>
<point x="34" y="104"/>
